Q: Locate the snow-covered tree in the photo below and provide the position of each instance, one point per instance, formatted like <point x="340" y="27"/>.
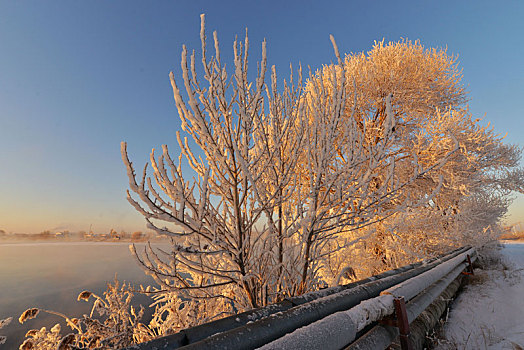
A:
<point x="431" y="118"/>
<point x="279" y="175"/>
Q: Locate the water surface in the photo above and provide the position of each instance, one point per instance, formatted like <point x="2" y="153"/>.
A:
<point x="51" y="275"/>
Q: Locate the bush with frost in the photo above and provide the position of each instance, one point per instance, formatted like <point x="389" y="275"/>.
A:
<point x="112" y="324"/>
<point x="4" y="323"/>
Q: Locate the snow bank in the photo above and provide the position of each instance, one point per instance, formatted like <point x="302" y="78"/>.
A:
<point x="489" y="314"/>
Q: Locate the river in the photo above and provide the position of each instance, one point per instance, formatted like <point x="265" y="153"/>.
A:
<point x="51" y="275"/>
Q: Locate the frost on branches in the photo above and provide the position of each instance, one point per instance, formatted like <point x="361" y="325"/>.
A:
<point x="4" y="323"/>
<point x="286" y="186"/>
<point x="472" y="187"/>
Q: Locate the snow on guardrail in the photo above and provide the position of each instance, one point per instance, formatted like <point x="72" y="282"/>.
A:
<point x="339" y="329"/>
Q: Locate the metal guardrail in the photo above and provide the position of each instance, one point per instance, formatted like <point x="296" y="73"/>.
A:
<point x="338" y="330"/>
<point x="382" y="334"/>
<point x="261" y="327"/>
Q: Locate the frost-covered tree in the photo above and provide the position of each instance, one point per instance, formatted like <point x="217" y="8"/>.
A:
<point x="213" y="218"/>
<point x="285" y="186"/>
<point x="227" y="243"/>
<point x="431" y="118"/>
<point x="422" y="80"/>
<point x="278" y="177"/>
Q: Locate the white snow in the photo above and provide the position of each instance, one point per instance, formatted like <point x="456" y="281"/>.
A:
<point x="413" y="286"/>
<point x="489" y="314"/>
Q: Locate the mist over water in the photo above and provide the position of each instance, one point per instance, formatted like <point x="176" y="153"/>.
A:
<point x="51" y="275"/>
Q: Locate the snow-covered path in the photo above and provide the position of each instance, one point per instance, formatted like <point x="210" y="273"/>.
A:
<point x="489" y="314"/>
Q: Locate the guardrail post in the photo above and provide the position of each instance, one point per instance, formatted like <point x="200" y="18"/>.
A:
<point x="401" y="322"/>
<point x="469" y="268"/>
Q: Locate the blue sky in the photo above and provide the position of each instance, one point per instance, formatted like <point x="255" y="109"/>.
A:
<point x="79" y="77"/>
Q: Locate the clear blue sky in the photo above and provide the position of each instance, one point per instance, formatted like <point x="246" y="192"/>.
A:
<point x="78" y="77"/>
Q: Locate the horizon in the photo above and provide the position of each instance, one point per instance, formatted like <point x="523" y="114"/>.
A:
<point x="78" y="79"/>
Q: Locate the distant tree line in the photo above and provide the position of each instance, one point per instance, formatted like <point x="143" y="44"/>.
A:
<point x="113" y="235"/>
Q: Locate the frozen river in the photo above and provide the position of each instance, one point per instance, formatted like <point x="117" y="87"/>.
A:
<point x="51" y="275"/>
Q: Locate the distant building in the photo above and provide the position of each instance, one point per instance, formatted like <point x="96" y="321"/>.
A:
<point x="114" y="234"/>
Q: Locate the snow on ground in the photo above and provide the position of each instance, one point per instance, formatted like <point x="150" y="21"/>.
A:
<point x="489" y="313"/>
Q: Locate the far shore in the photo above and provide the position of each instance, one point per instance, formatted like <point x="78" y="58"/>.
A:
<point x="512" y="241"/>
<point x="136" y="237"/>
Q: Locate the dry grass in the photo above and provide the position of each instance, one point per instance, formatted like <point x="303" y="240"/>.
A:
<point x="4" y="323"/>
